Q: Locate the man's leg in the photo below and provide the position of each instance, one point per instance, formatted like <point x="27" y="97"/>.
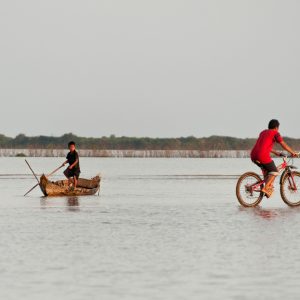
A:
<point x="75" y="182"/>
<point x="70" y="181"/>
<point x="272" y="174"/>
<point x="67" y="174"/>
<point x="270" y="181"/>
<point x="269" y="185"/>
<point x="76" y="176"/>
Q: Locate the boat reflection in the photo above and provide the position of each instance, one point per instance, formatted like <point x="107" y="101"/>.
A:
<point x="70" y="203"/>
<point x="73" y="203"/>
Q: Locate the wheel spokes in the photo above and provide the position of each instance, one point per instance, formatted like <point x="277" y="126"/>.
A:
<point x="249" y="189"/>
<point x="291" y="189"/>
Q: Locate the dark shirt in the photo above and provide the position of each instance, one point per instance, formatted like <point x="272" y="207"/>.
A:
<point x="72" y="157"/>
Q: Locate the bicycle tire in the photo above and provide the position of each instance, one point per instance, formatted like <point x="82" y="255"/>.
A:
<point x="283" y="191"/>
<point x="239" y="186"/>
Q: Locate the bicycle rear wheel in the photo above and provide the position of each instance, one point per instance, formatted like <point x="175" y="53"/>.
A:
<point x="290" y="189"/>
<point x="245" y="195"/>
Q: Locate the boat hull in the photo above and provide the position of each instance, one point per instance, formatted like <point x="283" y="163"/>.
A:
<point x="60" y="188"/>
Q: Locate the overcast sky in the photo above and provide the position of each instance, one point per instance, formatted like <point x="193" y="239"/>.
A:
<point x="159" y="68"/>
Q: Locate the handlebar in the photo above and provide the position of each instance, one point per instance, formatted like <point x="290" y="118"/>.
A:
<point x="284" y="155"/>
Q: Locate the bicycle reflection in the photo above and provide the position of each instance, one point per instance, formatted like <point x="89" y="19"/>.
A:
<point x="269" y="213"/>
<point x="266" y="213"/>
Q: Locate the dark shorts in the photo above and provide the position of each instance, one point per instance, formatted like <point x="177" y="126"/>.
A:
<point x="72" y="173"/>
<point x="267" y="168"/>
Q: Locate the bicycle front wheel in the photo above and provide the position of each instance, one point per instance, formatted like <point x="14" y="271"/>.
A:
<point x="290" y="189"/>
<point x="246" y="195"/>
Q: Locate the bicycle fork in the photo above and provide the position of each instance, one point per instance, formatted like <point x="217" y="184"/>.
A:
<point x="292" y="183"/>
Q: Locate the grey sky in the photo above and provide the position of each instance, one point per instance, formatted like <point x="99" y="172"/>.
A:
<point x="149" y="68"/>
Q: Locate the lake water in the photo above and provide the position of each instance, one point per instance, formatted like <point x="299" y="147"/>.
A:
<point x="160" y="229"/>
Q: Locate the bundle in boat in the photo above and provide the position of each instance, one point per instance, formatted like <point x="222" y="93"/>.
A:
<point x="61" y="187"/>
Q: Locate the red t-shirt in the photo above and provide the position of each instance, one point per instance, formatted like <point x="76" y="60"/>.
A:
<point x="264" y="145"/>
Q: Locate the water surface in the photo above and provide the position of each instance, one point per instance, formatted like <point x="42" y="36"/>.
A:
<point x="160" y="229"/>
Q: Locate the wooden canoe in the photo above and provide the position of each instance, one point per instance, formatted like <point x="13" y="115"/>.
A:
<point x="61" y="188"/>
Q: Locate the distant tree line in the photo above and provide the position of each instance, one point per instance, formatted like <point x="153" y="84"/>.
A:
<point x="112" y="142"/>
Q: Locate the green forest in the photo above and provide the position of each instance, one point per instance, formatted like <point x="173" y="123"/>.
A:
<point x="112" y="142"/>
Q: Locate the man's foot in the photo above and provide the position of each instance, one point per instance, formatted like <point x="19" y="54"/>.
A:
<point x="268" y="191"/>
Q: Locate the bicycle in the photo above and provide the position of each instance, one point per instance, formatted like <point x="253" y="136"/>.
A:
<point x="249" y="185"/>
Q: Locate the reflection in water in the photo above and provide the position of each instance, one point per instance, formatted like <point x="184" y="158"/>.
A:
<point x="73" y="203"/>
<point x="269" y="213"/>
<point x="43" y="202"/>
<point x="266" y="213"/>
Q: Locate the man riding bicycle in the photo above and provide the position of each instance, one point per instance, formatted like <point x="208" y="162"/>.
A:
<point x="261" y="154"/>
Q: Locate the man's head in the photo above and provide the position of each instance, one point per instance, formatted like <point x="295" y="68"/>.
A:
<point x="71" y="146"/>
<point x="274" y="124"/>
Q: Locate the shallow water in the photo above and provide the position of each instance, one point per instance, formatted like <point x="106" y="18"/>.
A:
<point x="160" y="229"/>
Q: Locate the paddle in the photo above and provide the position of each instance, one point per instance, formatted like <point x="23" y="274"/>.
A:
<point x="37" y="179"/>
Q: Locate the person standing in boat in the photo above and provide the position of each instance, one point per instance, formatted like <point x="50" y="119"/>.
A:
<point x="73" y="171"/>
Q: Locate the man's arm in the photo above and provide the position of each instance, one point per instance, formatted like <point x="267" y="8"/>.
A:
<point x="75" y="163"/>
<point x="65" y="162"/>
<point x="288" y="149"/>
<point x="277" y="153"/>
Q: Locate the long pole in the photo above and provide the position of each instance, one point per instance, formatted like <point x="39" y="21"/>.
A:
<point x="55" y="171"/>
<point x="32" y="171"/>
<point x="31" y="189"/>
<point x="38" y="180"/>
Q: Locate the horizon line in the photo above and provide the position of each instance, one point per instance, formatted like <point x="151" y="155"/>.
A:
<point x="128" y="136"/>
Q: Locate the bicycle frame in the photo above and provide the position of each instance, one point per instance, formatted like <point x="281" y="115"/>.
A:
<point x="285" y="168"/>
